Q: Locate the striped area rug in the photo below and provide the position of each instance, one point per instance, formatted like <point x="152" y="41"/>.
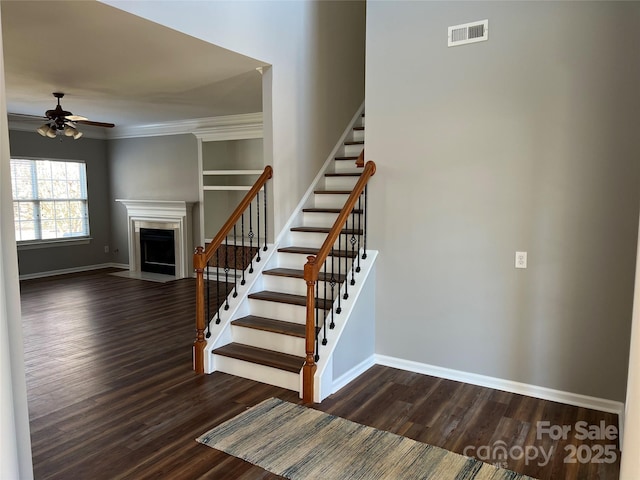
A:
<point x="296" y="442"/>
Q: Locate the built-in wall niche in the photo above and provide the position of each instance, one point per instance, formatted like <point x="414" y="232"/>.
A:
<point x="231" y="160"/>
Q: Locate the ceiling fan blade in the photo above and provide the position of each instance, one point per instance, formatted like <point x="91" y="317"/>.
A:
<point x="27" y="116"/>
<point x="75" y="118"/>
<point x="95" y="124"/>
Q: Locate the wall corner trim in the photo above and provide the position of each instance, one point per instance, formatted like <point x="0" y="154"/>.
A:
<point x="544" y="393"/>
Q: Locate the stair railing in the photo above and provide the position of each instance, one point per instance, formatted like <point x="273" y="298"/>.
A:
<point x="233" y="255"/>
<point x="352" y="225"/>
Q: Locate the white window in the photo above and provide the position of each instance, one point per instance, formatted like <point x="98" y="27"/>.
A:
<point x="49" y="200"/>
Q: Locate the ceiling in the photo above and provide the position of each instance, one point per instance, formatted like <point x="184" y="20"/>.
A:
<point x="119" y="68"/>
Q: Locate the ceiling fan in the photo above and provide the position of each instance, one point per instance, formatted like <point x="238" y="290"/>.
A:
<point x="63" y="122"/>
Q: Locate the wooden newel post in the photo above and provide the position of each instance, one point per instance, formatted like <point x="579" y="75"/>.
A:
<point x="199" y="264"/>
<point x="309" y="368"/>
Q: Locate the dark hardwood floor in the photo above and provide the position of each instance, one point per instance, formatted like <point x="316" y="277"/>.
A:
<point x="112" y="394"/>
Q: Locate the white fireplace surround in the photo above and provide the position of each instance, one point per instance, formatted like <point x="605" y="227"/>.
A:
<point x="165" y="215"/>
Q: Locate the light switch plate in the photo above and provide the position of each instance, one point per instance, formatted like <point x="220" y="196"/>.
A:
<point x="521" y="259"/>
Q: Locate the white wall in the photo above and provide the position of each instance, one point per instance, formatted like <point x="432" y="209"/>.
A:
<point x="630" y="462"/>
<point x="317" y="79"/>
<point x="525" y="142"/>
<point x="15" y="454"/>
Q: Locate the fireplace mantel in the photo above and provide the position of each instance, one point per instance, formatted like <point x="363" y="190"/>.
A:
<point x="164" y="214"/>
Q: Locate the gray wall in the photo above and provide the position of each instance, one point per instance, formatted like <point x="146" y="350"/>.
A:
<point x="528" y="141"/>
<point x="94" y="153"/>
<point x="152" y="168"/>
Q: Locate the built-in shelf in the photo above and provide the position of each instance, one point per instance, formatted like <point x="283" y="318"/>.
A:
<point x="230" y="159"/>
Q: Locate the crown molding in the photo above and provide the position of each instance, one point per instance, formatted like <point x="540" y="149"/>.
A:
<point x="246" y="124"/>
<point x="227" y="127"/>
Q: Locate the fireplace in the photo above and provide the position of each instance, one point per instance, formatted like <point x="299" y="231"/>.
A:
<point x="159" y="236"/>
<point x="157" y="251"/>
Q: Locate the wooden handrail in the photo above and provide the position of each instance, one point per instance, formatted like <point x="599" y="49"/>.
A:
<point x="312" y="271"/>
<point x="202" y="256"/>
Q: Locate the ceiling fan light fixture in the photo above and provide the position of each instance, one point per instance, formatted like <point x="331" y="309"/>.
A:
<point x="51" y="132"/>
<point x="77" y="135"/>
<point x="69" y="131"/>
<point x="42" y="130"/>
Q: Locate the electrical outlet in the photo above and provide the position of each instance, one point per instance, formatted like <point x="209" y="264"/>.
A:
<point x="106" y="249"/>
<point x="521" y="259"/>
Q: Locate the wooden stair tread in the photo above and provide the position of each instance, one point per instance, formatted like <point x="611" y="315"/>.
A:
<point x="355" y="142"/>
<point x="314" y="251"/>
<point x="261" y="356"/>
<point x="328" y="210"/>
<point x="345" y="231"/>
<point x="293" y="273"/>
<point x="271" y="325"/>
<point x="345" y="174"/>
<point x="349" y="157"/>
<point x="288" y="298"/>
<point x="332" y="192"/>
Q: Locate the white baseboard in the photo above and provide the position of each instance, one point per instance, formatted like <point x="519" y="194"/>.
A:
<point x="84" y="268"/>
<point x="543" y="393"/>
<point x="352" y="374"/>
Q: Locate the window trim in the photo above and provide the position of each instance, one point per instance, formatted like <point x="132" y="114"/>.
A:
<point x="56" y="242"/>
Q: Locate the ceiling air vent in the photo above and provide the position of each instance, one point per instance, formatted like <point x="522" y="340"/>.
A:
<point x="468" y="33"/>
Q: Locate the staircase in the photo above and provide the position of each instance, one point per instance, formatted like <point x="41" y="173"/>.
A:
<point x="265" y="337"/>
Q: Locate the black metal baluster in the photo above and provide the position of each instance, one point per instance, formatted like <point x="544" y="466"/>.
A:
<point x="218" y="284"/>
<point x="250" y="239"/>
<point x="208" y="307"/>
<point x="354" y="254"/>
<point x="339" y="309"/>
<point x="244" y="253"/>
<point x="324" y="298"/>
<point x="359" y="229"/>
<point x="265" y="217"/>
<point x="258" y="222"/>
<point x="226" y="271"/>
<point x="332" y="284"/>
<point x="346" y="262"/>
<point x="364" y="253"/>
<point x="317" y="323"/>
<point x="235" y="262"/>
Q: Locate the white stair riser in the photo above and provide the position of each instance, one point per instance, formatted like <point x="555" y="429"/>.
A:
<point x="259" y="373"/>
<point x="353" y="149"/>
<point x="315" y="240"/>
<point x="345" y="166"/>
<point x="325" y="200"/>
<point x="298" y="260"/>
<point x="292" y="260"/>
<point x="275" y="283"/>
<point x="340" y="183"/>
<point x="281" y="311"/>
<point x="271" y="341"/>
<point x="318" y="219"/>
<point x="297" y="286"/>
<point x="358" y="135"/>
